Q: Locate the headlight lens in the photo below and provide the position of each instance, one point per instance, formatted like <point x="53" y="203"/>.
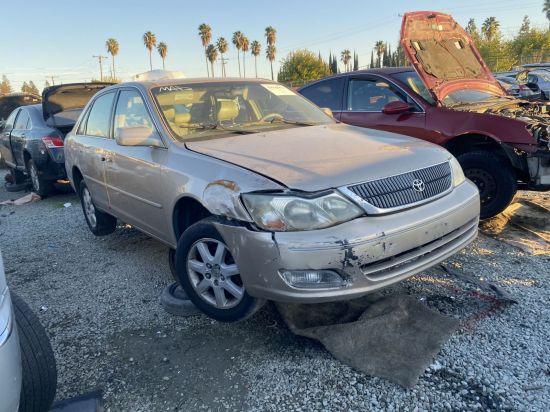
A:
<point x="456" y="171"/>
<point x="292" y="212"/>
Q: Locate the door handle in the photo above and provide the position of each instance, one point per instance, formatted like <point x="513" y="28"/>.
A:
<point x="23" y="135"/>
<point x="106" y="158"/>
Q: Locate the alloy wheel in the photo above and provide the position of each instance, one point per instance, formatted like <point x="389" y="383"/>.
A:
<point x="89" y="207"/>
<point x="214" y="274"/>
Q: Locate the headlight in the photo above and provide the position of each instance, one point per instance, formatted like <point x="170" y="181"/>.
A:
<point x="456" y="171"/>
<point x="292" y="212"/>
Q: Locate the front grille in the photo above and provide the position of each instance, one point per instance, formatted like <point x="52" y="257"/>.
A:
<point x="398" y="191"/>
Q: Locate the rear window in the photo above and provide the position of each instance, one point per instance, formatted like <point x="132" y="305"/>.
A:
<point x="326" y="93"/>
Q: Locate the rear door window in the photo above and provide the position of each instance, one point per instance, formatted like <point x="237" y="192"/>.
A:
<point x="11" y="120"/>
<point x="22" y="121"/>
<point x="99" y="119"/>
<point x="327" y="93"/>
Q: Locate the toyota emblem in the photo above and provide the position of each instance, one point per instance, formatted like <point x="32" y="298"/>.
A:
<point x="418" y="185"/>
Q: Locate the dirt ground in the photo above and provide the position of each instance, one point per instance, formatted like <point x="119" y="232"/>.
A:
<point x="98" y="298"/>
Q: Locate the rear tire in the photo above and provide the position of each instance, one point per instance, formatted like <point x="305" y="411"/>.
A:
<point x="494" y="178"/>
<point x="214" y="284"/>
<point x="41" y="186"/>
<point x="100" y="223"/>
<point x="38" y="361"/>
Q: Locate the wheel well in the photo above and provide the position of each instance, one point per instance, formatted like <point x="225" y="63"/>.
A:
<point x="473" y="142"/>
<point x="187" y="212"/>
<point x="77" y="178"/>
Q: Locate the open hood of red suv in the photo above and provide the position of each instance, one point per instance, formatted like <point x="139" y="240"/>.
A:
<point x="444" y="55"/>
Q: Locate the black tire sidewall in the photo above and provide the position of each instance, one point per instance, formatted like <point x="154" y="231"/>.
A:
<point x="201" y="230"/>
<point x="44" y="186"/>
<point x="105" y="223"/>
<point x="506" y="183"/>
<point x="38" y="360"/>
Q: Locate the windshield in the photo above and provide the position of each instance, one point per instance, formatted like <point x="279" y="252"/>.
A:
<point x="208" y="110"/>
<point x="467" y="97"/>
<point x="412" y="80"/>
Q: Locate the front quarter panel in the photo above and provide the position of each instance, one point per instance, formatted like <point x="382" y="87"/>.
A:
<point x="216" y="184"/>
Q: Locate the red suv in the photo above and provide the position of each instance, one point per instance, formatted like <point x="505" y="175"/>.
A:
<point x="450" y="98"/>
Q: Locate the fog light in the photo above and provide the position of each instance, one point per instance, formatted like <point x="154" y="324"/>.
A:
<point x="313" y="279"/>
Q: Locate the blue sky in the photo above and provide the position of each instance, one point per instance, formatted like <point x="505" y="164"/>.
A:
<point x="60" y="37"/>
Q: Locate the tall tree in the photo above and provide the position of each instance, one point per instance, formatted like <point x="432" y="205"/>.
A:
<point x="205" y="33"/>
<point x="162" y="48"/>
<point x="46" y="84"/>
<point x="212" y="55"/>
<point x="32" y="88"/>
<point x="355" y="61"/>
<point x="490" y="28"/>
<point x="371" y="59"/>
<point x="237" y="41"/>
<point x="150" y="41"/>
<point x="302" y="66"/>
<point x="255" y="49"/>
<point x="525" y="26"/>
<point x="25" y="88"/>
<point x="270" y="53"/>
<point x="271" y="38"/>
<point x="5" y="86"/>
<point x="546" y="9"/>
<point x="222" y="46"/>
<point x="345" y="57"/>
<point x="245" y="44"/>
<point x="380" y="49"/>
<point x="112" y="47"/>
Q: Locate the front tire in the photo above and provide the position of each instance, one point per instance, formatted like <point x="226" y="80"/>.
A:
<point x="41" y="186"/>
<point x="100" y="223"/>
<point x="38" y="361"/>
<point x="494" y="178"/>
<point x="209" y="275"/>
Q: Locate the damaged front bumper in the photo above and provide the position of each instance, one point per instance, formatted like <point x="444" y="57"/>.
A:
<point x="368" y="253"/>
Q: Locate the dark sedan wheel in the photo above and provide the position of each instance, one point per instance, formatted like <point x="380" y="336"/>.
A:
<point x="100" y="223"/>
<point x="494" y="178"/>
<point x="210" y="276"/>
<point x="40" y="185"/>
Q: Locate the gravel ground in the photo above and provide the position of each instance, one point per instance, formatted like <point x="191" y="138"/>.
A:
<point x="98" y="298"/>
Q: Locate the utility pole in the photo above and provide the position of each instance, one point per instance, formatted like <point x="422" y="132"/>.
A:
<point x="100" y="60"/>
<point x="224" y="62"/>
<point x="52" y="77"/>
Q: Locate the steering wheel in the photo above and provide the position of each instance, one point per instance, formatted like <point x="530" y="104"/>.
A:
<point x="271" y="116"/>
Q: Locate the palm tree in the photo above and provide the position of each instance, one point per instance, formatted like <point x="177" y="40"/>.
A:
<point x="380" y="48"/>
<point x="271" y="37"/>
<point x="244" y="45"/>
<point x="238" y="43"/>
<point x="163" y="51"/>
<point x="345" y="56"/>
<point x="112" y="48"/>
<point x="222" y="48"/>
<point x="270" y="54"/>
<point x="211" y="55"/>
<point x="255" y="49"/>
<point x="546" y="9"/>
<point x="150" y="41"/>
<point x="490" y="28"/>
<point x="205" y="33"/>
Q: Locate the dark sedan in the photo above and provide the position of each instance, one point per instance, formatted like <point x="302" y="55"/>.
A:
<point x="31" y="142"/>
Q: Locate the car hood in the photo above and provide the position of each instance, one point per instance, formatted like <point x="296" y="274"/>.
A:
<point x="10" y="102"/>
<point x="444" y="55"/>
<point x="65" y="97"/>
<point x="316" y="158"/>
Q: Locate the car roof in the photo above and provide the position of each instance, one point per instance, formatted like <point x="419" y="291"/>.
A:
<point x="149" y="84"/>
<point x="384" y="71"/>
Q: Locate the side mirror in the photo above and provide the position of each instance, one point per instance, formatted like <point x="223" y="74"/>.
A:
<point x="327" y="111"/>
<point x="138" y="136"/>
<point x="396" y="107"/>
